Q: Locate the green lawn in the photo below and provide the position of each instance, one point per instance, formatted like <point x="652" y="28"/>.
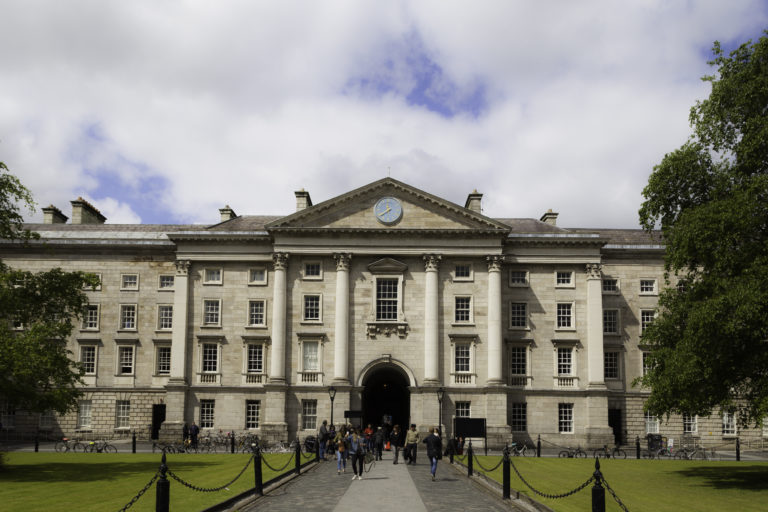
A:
<point x="104" y="482"/>
<point x="655" y="485"/>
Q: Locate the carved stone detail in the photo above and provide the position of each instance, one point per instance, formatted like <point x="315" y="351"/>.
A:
<point x="594" y="271"/>
<point x="495" y="262"/>
<point x="342" y="260"/>
<point x="432" y="262"/>
<point x="280" y="260"/>
<point x="182" y="267"/>
<point x="374" y="329"/>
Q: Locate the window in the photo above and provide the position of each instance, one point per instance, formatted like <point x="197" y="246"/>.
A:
<point x="463" y="310"/>
<point x="7" y="415"/>
<point x="164" y="317"/>
<point x="518" y="278"/>
<point x="462" y="272"/>
<point x="518" y="315"/>
<point x="651" y="423"/>
<point x="610" y="321"/>
<point x="257" y="313"/>
<point x="125" y="360"/>
<point x="386" y="299"/>
<point x="88" y="359"/>
<point x="610" y="285"/>
<point x="518" y="361"/>
<point x="519" y="419"/>
<point x="123" y="414"/>
<point x="564" y="279"/>
<point x="611" y="365"/>
<point x="96" y="288"/>
<point x="646" y="318"/>
<point x="210" y="359"/>
<point x="255" y="358"/>
<point x="647" y="287"/>
<point x="313" y="270"/>
<point x="729" y="424"/>
<point x="462" y="358"/>
<point x="166" y="282"/>
<point x="129" y="281"/>
<point x="257" y="276"/>
<point x="564" y="361"/>
<point x="91" y="318"/>
<point x="212" y="312"/>
<point x="565" y="418"/>
<point x="163" y="360"/>
<point x="212" y="276"/>
<point x="128" y="317"/>
<point x="207" y="413"/>
<point x="564" y="315"/>
<point x="646" y="363"/>
<point x="310" y="356"/>
<point x="84" y="414"/>
<point x="252" y="410"/>
<point x="312" y="308"/>
<point x="690" y="424"/>
<point x="46" y="420"/>
<point x="309" y="414"/>
<point x="463" y="410"/>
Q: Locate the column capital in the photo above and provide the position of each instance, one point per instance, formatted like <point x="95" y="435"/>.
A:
<point x="342" y="260"/>
<point x="432" y="262"/>
<point x="594" y="271"/>
<point x="280" y="259"/>
<point x="494" y="262"/>
<point x="182" y="267"/>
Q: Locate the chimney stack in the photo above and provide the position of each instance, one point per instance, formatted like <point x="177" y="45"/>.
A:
<point x="227" y="213"/>
<point x="474" y="201"/>
<point x="303" y="201"/>
<point x="52" y="215"/>
<point x="84" y="212"/>
<point x="549" y="218"/>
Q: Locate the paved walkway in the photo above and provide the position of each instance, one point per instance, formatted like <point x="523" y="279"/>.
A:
<point x="386" y="487"/>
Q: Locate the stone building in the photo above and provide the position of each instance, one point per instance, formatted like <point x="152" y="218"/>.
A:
<point x="387" y="294"/>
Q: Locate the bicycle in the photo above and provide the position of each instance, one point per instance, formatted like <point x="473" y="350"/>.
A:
<point x="573" y="453"/>
<point x="616" y="453"/>
<point x="521" y="450"/>
<point x="695" y="453"/>
<point x="100" y="447"/>
<point x="67" y="445"/>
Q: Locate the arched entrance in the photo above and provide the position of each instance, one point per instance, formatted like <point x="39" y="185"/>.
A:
<point x="385" y="393"/>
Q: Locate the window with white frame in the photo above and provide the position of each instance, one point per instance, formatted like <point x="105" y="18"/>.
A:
<point x="252" y="412"/>
<point x="518" y="361"/>
<point x="463" y="359"/>
<point x="648" y="287"/>
<point x="164" y="317"/>
<point x="257" y="276"/>
<point x="690" y="423"/>
<point x="651" y="423"/>
<point x="96" y="288"/>
<point x="128" y="317"/>
<point x="88" y="358"/>
<point x="565" y="418"/>
<point x="213" y="276"/>
<point x="647" y="317"/>
<point x="564" y="361"/>
<point x="462" y="272"/>
<point x="463" y="409"/>
<point x="257" y="313"/>
<point x="123" y="414"/>
<point x="610" y="321"/>
<point x="312" y="308"/>
<point x="564" y="279"/>
<point x="212" y="312"/>
<point x="7" y="415"/>
<point x="610" y="285"/>
<point x="611" y="366"/>
<point x="729" y="424"/>
<point x="84" y="414"/>
<point x="207" y="413"/>
<point x="165" y="282"/>
<point x="310" y="354"/>
<point x="313" y="270"/>
<point x="129" y="281"/>
<point x="518" y="278"/>
<point x="46" y="420"/>
<point x="765" y="426"/>
<point x="565" y="315"/>
<point x="646" y="363"/>
<point x="387" y="299"/>
<point x="91" y="318"/>
<point x="255" y="358"/>
<point x="125" y="355"/>
<point x="163" y="360"/>
<point x="519" y="417"/>
<point x="518" y="315"/>
<point x="463" y="310"/>
<point x="210" y="358"/>
<point x="309" y="414"/>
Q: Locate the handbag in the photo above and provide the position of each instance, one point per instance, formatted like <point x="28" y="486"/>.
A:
<point x="368" y="457"/>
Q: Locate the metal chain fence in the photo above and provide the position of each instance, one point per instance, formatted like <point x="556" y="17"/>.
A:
<point x="140" y="493"/>
<point x="550" y="496"/>
<point x="616" y="498"/>
<point x="477" y="461"/>
<point x="212" y="489"/>
<point x="264" y="459"/>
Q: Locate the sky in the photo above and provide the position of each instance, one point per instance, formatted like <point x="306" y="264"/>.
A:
<point x="163" y="112"/>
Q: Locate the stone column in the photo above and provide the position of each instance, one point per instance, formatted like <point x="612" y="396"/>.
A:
<point x="277" y="366"/>
<point x="341" y="348"/>
<point x="431" y="338"/>
<point x="494" y="320"/>
<point x="595" y="365"/>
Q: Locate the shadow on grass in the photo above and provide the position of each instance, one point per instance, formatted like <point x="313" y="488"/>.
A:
<point x="748" y="478"/>
<point x="89" y="471"/>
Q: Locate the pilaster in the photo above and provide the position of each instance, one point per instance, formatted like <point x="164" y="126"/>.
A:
<point x="341" y="338"/>
<point x="494" y="320"/>
<point x="431" y="303"/>
<point x="279" y="321"/>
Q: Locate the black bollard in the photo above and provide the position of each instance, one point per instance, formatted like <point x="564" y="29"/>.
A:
<point x="133" y="442"/>
<point x="538" y="447"/>
<point x="505" y="474"/>
<point x="738" y="450"/>
<point x="637" y="447"/>
<point x="163" y="498"/>
<point x="470" y="454"/>
<point x="598" y="491"/>
<point x="257" y="479"/>
<point x="298" y="456"/>
<point x="231" y="442"/>
<point x="37" y="444"/>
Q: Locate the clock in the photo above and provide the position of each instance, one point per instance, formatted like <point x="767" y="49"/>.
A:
<point x="388" y="210"/>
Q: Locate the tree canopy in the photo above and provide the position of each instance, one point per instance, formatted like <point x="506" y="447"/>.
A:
<point x="38" y="312"/>
<point x="709" y="342"/>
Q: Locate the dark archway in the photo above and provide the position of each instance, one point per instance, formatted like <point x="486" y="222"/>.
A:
<point x="386" y="394"/>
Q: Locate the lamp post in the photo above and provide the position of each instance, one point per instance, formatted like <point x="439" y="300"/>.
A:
<point x="440" y="393"/>
<point x="332" y="395"/>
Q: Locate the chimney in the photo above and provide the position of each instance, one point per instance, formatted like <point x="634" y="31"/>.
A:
<point x="84" y="212"/>
<point x="52" y="215"/>
<point x="474" y="201"/>
<point x="549" y="218"/>
<point x="227" y="213"/>
<point x="303" y="201"/>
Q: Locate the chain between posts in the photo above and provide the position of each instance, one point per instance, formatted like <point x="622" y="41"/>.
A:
<point x="550" y="496"/>
<point x="264" y="459"/>
<point x="486" y="469"/>
<point x="212" y="489"/>
<point x="140" y="493"/>
<point x="616" y="498"/>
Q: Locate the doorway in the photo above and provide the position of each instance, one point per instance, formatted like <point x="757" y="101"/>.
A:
<point x="386" y="397"/>
<point x="158" y="417"/>
<point x="614" y="421"/>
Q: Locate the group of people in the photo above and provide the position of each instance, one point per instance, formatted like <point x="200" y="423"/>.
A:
<point x="348" y="442"/>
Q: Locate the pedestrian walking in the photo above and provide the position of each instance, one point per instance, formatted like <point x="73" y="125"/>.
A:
<point x="411" y="445"/>
<point x="396" y="440"/>
<point x="194" y="431"/>
<point x="378" y="442"/>
<point x="322" y="438"/>
<point x="340" y="443"/>
<point x="434" y="450"/>
<point x="356" y="454"/>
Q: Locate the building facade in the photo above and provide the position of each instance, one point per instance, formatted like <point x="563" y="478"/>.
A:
<point x="386" y="293"/>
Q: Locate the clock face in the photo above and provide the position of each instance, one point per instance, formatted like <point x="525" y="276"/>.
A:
<point x="388" y="210"/>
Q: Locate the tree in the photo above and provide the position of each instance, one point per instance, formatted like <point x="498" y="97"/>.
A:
<point x="38" y="312"/>
<point x="709" y="342"/>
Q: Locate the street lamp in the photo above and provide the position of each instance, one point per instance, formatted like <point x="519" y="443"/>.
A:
<point x="440" y="393"/>
<point x="332" y="395"/>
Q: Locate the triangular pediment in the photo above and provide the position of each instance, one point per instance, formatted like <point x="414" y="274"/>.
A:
<point x="355" y="210"/>
<point x="387" y="266"/>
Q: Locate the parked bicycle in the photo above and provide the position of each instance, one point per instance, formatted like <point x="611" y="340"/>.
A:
<point x="100" y="447"/>
<point x="695" y="453"/>
<point x="521" y="450"/>
<point x="573" y="453"/>
<point x="616" y="453"/>
<point x="69" y="445"/>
